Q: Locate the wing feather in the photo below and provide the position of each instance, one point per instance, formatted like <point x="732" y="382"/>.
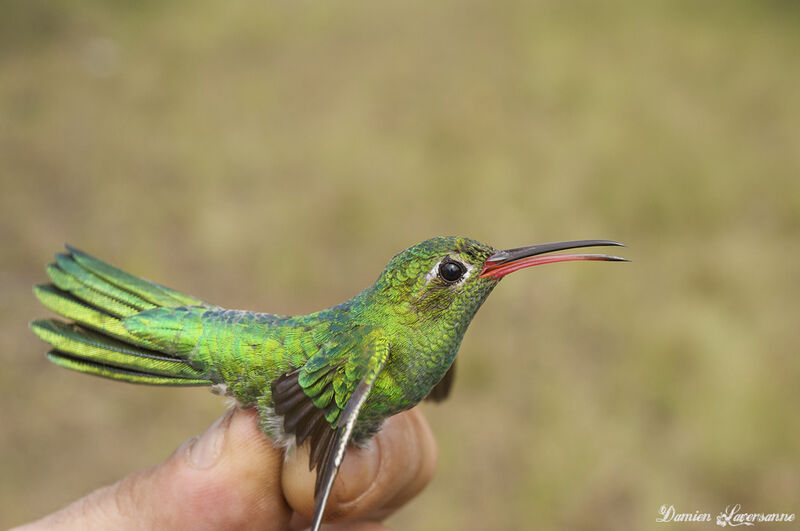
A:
<point x="321" y="401"/>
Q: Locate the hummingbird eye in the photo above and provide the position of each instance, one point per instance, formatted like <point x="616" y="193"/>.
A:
<point x="451" y="271"/>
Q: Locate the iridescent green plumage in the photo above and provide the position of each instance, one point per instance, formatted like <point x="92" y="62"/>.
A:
<point x="330" y="377"/>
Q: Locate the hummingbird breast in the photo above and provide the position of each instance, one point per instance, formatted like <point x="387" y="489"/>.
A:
<point x="419" y="361"/>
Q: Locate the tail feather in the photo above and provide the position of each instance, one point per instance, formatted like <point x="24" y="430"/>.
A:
<point x="114" y="373"/>
<point x="68" y="282"/>
<point x="98" y="297"/>
<point x="94" y="347"/>
<point x="150" y="291"/>
<point x="72" y="308"/>
<point x="82" y="313"/>
<point x="81" y="277"/>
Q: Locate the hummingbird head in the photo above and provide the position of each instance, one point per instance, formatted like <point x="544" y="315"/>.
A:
<point x="445" y="280"/>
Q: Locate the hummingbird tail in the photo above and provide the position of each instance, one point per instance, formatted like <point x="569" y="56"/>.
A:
<point x="96" y="296"/>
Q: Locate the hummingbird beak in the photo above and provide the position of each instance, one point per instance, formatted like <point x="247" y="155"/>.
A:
<point x="502" y="263"/>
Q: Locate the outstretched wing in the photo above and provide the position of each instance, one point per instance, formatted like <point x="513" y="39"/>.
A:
<point x="321" y="401"/>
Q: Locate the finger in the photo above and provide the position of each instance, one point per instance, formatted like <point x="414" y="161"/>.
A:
<point x="228" y="478"/>
<point x="426" y="464"/>
<point x="394" y="466"/>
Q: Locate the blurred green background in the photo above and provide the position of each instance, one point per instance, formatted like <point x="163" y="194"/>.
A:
<point x="274" y="155"/>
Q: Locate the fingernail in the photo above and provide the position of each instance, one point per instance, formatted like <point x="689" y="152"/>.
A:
<point x="204" y="452"/>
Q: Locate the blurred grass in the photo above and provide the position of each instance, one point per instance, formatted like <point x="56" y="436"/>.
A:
<point x="273" y="156"/>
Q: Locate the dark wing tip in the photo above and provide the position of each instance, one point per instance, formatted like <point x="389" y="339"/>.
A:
<point x="302" y="418"/>
<point x="441" y="390"/>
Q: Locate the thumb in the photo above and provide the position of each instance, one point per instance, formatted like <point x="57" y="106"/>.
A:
<point x="228" y="478"/>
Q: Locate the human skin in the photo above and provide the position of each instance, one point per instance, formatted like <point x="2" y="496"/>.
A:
<point x="232" y="477"/>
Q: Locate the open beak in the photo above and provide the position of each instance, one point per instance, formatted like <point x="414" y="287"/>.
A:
<point x="502" y="263"/>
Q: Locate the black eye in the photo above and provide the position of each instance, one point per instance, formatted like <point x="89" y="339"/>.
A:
<point x="451" y="271"/>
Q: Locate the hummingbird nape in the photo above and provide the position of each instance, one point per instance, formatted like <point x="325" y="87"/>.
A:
<point x="330" y="377"/>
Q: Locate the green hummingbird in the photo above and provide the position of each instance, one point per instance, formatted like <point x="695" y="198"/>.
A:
<point x="329" y="377"/>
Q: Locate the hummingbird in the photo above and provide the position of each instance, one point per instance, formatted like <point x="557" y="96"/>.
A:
<point x="328" y="378"/>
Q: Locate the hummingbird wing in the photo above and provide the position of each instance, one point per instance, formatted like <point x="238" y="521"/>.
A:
<point x="322" y="400"/>
<point x="442" y="389"/>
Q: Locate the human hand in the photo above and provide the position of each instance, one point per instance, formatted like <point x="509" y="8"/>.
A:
<point x="231" y="477"/>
